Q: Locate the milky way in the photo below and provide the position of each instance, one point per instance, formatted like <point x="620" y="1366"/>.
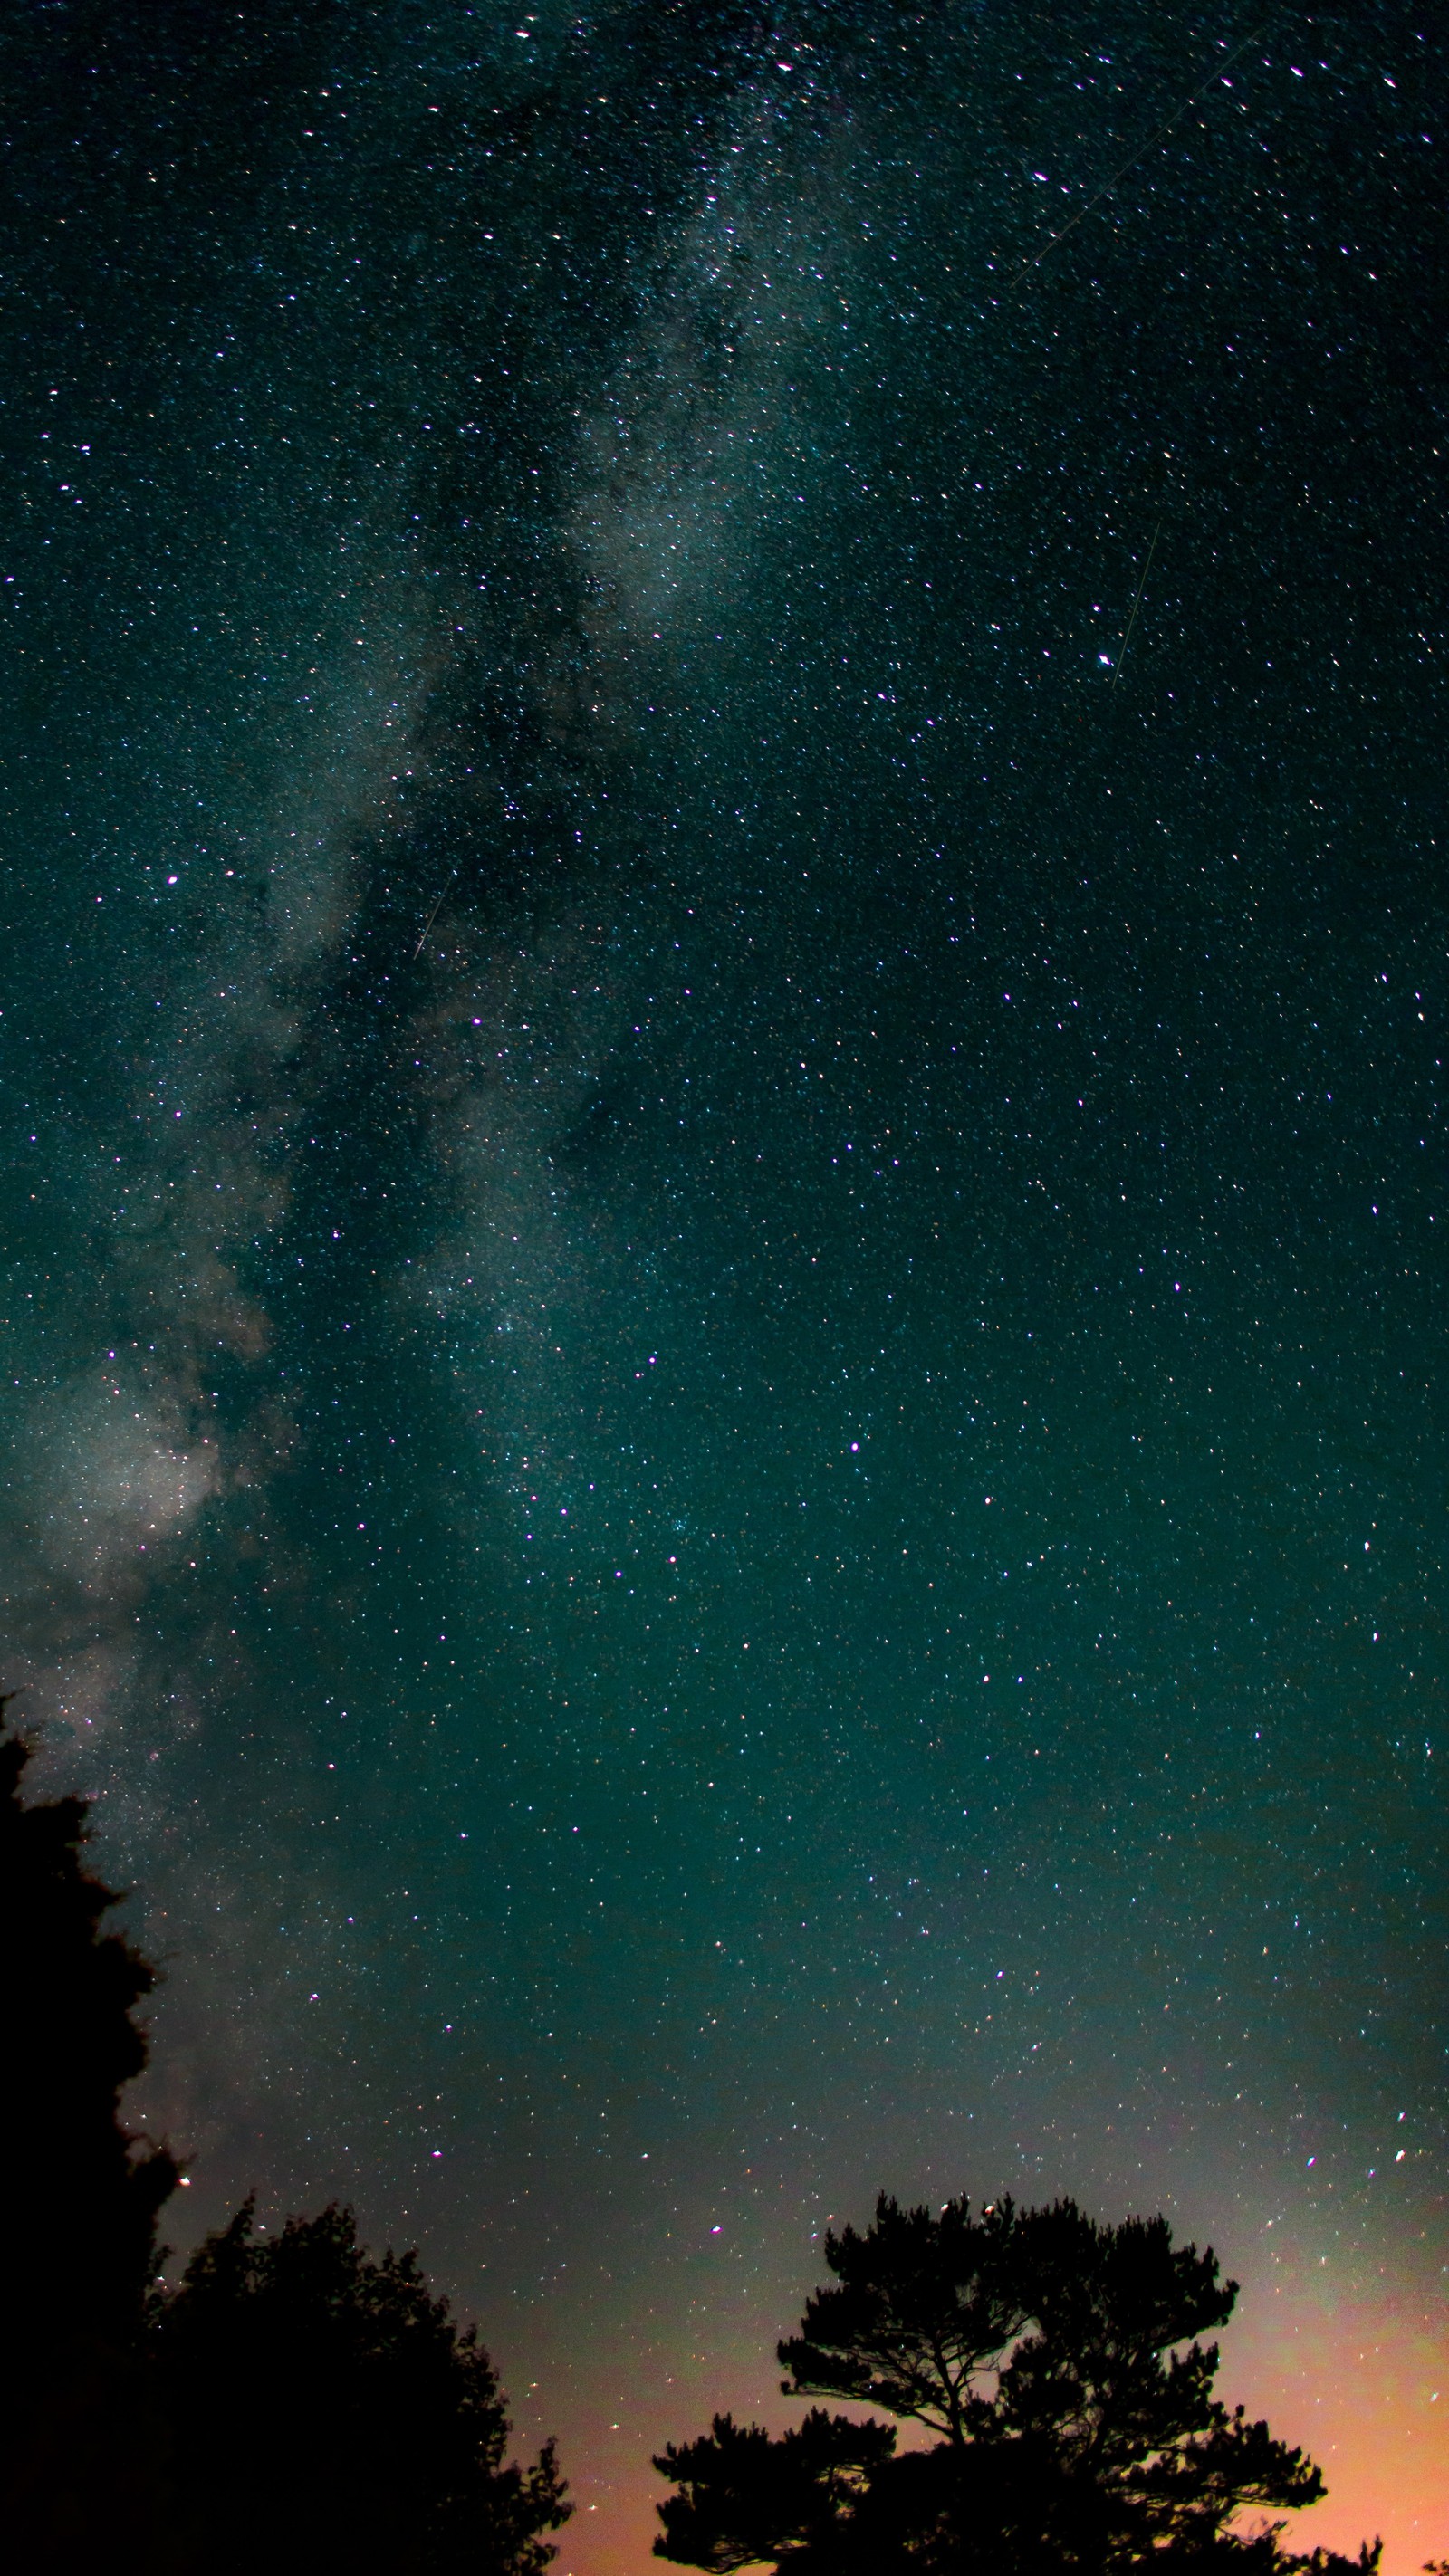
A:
<point x="723" y="1018"/>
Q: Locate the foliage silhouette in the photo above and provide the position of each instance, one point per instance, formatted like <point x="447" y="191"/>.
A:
<point x="293" y="2404"/>
<point x="1073" y="2432"/>
<point x="80" y="2451"/>
<point x="327" y="2412"/>
<point x="745" y="2498"/>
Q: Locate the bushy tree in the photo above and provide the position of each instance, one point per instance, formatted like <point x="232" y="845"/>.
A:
<point x="82" y="2453"/>
<point x="81" y="2192"/>
<point x="327" y="2412"/>
<point x="293" y="2405"/>
<point x="1059" y="2366"/>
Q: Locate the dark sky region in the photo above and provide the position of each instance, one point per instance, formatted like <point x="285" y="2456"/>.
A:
<point x="724" y="1013"/>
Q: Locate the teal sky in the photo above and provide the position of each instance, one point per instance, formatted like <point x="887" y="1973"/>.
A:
<point x="723" y="1153"/>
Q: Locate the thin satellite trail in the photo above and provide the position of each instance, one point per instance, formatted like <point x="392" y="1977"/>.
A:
<point x="1137" y="154"/>
<point x="1137" y="602"/>
<point x="433" y="915"/>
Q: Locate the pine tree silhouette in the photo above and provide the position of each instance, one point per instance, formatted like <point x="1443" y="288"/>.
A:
<point x="81" y="2454"/>
<point x="1075" y="2436"/>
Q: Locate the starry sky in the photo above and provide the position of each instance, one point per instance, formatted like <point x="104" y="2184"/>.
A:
<point x="723" y="1157"/>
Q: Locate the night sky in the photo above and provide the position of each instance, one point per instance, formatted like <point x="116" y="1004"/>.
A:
<point x="724" y="1019"/>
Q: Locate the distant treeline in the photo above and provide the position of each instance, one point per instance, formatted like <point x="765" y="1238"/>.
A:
<point x="294" y="2404"/>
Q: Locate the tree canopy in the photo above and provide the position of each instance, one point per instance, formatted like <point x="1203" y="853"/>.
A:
<point x="327" y="2411"/>
<point x="1058" y="2364"/>
<point x="83" y="2193"/>
<point x="80" y="2446"/>
<point x="293" y="2404"/>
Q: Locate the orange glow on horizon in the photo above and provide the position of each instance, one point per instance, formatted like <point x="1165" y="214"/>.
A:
<point x="1364" y="2386"/>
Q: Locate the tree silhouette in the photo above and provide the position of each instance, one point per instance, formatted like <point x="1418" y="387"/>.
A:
<point x="327" y="2412"/>
<point x="79" y="2448"/>
<point x="744" y="2498"/>
<point x="294" y="2404"/>
<point x="1073" y="2430"/>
